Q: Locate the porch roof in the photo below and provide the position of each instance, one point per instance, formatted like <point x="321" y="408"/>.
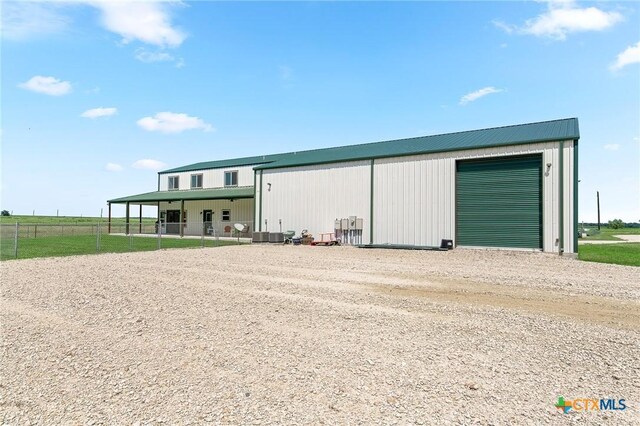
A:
<point x="189" y="194"/>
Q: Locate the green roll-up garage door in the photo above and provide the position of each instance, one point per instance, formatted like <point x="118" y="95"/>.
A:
<point x="499" y="202"/>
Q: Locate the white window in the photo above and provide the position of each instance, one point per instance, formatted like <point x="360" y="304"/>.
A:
<point x="231" y="178"/>
<point x="226" y="215"/>
<point x="174" y="183"/>
<point x="196" y="181"/>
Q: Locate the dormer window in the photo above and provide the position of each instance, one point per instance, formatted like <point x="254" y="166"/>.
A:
<point x="196" y="181"/>
<point x="174" y="183"/>
<point x="231" y="178"/>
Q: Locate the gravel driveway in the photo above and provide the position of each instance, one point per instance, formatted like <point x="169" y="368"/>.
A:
<point x="308" y="335"/>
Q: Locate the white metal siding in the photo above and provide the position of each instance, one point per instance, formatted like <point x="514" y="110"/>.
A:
<point x="211" y="178"/>
<point x="312" y="197"/>
<point x="414" y="197"/>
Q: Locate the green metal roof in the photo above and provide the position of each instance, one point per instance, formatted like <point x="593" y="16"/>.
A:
<point x="233" y="162"/>
<point x="547" y="131"/>
<point x="190" y="194"/>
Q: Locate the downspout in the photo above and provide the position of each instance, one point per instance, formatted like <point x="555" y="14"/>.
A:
<point x="254" y="200"/>
<point x="260" y="205"/>
<point x="575" y="196"/>
<point x="561" y="199"/>
<point x="371" y="206"/>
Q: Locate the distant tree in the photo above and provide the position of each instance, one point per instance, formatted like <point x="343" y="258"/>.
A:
<point x="616" y="224"/>
<point x="5" y="213"/>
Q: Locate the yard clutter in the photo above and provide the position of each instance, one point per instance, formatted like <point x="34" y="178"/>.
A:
<point x="305" y="238"/>
<point x="326" y="239"/>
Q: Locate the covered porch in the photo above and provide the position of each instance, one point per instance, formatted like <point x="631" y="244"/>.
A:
<point x="191" y="212"/>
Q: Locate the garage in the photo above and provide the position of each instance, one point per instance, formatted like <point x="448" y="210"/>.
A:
<point x="499" y="202"/>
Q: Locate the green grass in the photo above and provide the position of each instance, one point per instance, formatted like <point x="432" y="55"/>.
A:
<point x="86" y="244"/>
<point x="620" y="254"/>
<point x="64" y="220"/>
<point x="607" y="234"/>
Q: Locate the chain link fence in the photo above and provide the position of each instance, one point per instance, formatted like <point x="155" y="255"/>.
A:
<point x="28" y="240"/>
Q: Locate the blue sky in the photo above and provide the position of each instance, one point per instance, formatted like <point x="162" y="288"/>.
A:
<point x="97" y="96"/>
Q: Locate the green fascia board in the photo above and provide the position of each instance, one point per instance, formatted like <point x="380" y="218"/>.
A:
<point x="220" y="164"/>
<point x="547" y="131"/>
<point x="192" y="194"/>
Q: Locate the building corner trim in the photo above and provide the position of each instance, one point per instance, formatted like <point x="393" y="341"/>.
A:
<point x="561" y="199"/>
<point x="371" y="204"/>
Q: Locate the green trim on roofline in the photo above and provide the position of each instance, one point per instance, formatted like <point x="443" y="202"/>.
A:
<point x="545" y="131"/>
<point x="188" y="195"/>
<point x="232" y="162"/>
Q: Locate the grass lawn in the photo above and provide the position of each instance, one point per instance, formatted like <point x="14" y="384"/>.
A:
<point x="608" y="234"/>
<point x="70" y="245"/>
<point x="621" y="254"/>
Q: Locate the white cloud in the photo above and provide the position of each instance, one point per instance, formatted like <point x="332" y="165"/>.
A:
<point x="99" y="112"/>
<point x="562" y="18"/>
<point x="631" y="55"/>
<point x="113" y="167"/>
<point x="146" y="56"/>
<point x="47" y="85"/>
<point x="145" y="21"/>
<point x="470" y="97"/>
<point x="171" y="122"/>
<point x="24" y="20"/>
<point x="149" y="164"/>
<point x="612" y="146"/>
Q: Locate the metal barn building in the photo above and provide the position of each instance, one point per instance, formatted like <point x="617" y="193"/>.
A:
<point x="504" y="187"/>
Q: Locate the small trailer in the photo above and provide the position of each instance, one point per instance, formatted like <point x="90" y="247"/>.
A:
<point x="326" y="239"/>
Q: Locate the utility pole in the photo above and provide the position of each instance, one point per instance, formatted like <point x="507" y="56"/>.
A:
<point x="598" y="197"/>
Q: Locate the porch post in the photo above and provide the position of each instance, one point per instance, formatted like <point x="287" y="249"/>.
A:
<point x="109" y="220"/>
<point x="181" y="218"/>
<point x="140" y="225"/>
<point x="126" y="228"/>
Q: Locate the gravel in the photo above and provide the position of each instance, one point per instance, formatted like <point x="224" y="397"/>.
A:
<point x="312" y="335"/>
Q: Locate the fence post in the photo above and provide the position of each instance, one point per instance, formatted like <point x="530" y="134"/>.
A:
<point x="130" y="240"/>
<point x="159" y="234"/>
<point x="15" y="245"/>
<point x="202" y="235"/>
<point x="98" y="238"/>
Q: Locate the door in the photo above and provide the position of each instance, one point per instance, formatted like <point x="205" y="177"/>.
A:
<point x="207" y="221"/>
<point x="499" y="202"/>
<point x="173" y="221"/>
